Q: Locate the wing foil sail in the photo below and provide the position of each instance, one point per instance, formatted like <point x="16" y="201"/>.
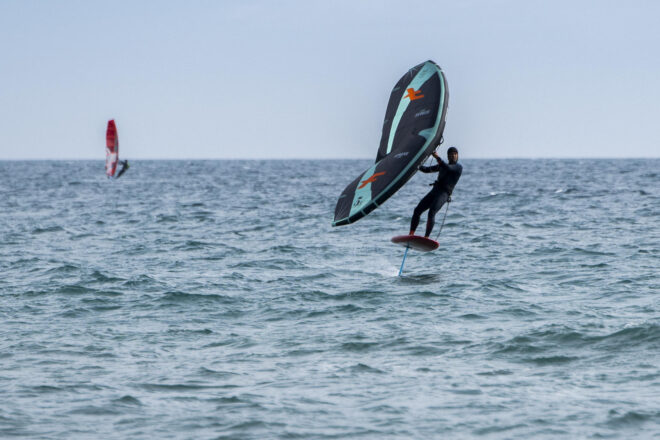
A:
<point x="414" y="122"/>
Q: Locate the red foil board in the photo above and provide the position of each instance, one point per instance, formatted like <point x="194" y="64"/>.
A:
<point x="416" y="242"/>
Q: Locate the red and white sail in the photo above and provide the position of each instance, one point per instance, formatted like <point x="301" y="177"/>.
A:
<point x="111" y="149"/>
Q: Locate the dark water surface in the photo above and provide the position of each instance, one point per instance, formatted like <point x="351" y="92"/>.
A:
<point x="212" y="299"/>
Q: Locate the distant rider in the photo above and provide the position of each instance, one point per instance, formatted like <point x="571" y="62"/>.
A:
<point x="124" y="167"/>
<point x="448" y="175"/>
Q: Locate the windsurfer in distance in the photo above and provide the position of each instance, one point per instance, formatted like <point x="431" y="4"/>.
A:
<point x="124" y="167"/>
<point x="448" y="175"/>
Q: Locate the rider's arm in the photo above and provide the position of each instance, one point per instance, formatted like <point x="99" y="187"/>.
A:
<point x="431" y="169"/>
<point x="441" y="163"/>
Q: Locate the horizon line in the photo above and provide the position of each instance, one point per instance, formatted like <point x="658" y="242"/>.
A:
<point x="322" y="158"/>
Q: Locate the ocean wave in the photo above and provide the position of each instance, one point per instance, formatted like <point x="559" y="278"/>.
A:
<point x="630" y="418"/>
<point x="47" y="229"/>
<point x="362" y="368"/>
<point x="179" y="297"/>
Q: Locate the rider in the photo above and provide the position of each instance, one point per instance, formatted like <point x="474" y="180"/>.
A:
<point x="124" y="167"/>
<point x="448" y="175"/>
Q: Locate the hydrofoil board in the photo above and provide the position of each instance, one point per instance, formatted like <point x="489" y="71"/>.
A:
<point x="416" y="242"/>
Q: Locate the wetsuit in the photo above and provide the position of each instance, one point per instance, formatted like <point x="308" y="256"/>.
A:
<point x="124" y="167"/>
<point x="448" y="175"/>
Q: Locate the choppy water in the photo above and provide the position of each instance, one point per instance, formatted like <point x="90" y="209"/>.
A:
<point x="212" y="299"/>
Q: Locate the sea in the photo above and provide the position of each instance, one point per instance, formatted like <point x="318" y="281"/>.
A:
<point x="214" y="300"/>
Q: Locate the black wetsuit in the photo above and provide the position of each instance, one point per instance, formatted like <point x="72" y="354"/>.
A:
<point x="448" y="175"/>
<point x="124" y="167"/>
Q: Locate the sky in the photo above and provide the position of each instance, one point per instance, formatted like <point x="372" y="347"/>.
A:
<point x="266" y="79"/>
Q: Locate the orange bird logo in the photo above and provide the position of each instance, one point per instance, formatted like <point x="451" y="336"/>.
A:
<point x="413" y="94"/>
<point x="370" y="179"/>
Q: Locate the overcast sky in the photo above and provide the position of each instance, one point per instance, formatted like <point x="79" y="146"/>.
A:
<point x="311" y="79"/>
